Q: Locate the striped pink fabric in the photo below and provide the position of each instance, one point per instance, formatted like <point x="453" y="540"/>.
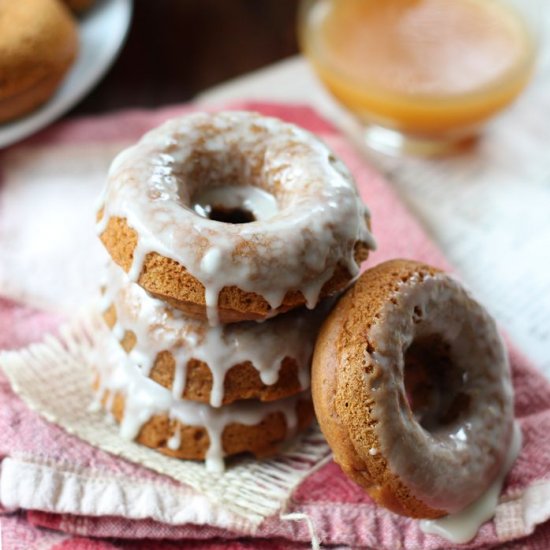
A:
<point x="341" y="513"/>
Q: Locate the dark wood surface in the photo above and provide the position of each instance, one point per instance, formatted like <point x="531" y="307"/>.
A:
<point x="177" y="48"/>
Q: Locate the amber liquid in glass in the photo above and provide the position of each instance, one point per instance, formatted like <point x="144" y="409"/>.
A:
<point x="431" y="68"/>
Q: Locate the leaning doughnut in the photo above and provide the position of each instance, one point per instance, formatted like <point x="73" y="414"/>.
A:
<point x="234" y="216"/>
<point x="412" y="390"/>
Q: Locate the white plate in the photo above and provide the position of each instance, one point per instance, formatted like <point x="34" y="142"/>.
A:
<point x="102" y="33"/>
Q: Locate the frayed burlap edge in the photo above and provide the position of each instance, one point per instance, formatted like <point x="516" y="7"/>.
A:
<point x="54" y="379"/>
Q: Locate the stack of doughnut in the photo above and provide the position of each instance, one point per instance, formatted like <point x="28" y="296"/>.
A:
<point x="228" y="234"/>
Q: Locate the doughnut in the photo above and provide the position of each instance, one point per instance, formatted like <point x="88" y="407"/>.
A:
<point x="216" y="365"/>
<point x="411" y="387"/>
<point x="38" y="44"/>
<point x="149" y="414"/>
<point x="233" y="217"/>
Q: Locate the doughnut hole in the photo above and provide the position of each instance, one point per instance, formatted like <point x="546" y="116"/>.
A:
<point x="434" y="384"/>
<point x="227" y="187"/>
<point x="234" y="204"/>
<point x="236" y="215"/>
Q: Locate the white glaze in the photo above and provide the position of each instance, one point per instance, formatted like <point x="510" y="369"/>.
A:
<point x="449" y="466"/>
<point x="463" y="526"/>
<point x="145" y="399"/>
<point x="175" y="441"/>
<point x="319" y="217"/>
<point x="159" y="327"/>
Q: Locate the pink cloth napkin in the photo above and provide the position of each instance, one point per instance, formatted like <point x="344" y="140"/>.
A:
<point x="341" y="513"/>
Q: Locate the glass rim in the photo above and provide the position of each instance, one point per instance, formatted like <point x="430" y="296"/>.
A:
<point x="526" y="65"/>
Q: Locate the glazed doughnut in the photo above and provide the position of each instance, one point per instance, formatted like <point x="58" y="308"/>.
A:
<point x="411" y="387"/>
<point x="216" y="365"/>
<point x="234" y="216"/>
<point x="149" y="414"/>
<point x="38" y="44"/>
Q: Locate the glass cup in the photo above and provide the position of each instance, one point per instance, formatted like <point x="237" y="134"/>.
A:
<point x="422" y="75"/>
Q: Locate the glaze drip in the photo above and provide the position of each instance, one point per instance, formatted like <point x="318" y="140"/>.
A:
<point x="158" y="327"/>
<point x="144" y="399"/>
<point x="462" y="527"/>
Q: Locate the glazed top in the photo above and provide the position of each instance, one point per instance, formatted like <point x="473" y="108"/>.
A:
<point x="308" y="214"/>
<point x="444" y="464"/>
